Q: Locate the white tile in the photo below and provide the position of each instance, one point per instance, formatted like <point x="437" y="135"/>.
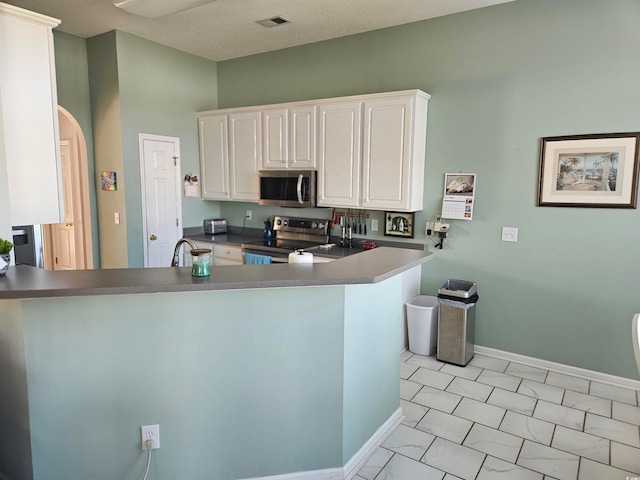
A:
<point x="413" y="413"/>
<point x="567" y="381"/>
<point x="626" y="413"/>
<point x="493" y="442"/>
<point x="406" y="370"/>
<point x="512" y="401"/>
<point x="560" y="415"/>
<point x="525" y="371"/>
<point x="488" y="415"/>
<point x="444" y="425"/>
<point x="438" y="399"/>
<point x="452" y="458"/>
<point x="611" y="392"/>
<point x="550" y="461"/>
<point x="587" y="403"/>
<point x="612" y="429"/>
<point x="528" y="427"/>
<point x="405" y="355"/>
<point x="426" y="362"/>
<point x="375" y="464"/>
<point x="542" y="391"/>
<point x="625" y="457"/>
<point x="467" y="388"/>
<point x="497" y="379"/>
<point x="408" y="389"/>
<point x="496" y="469"/>
<point x="590" y="470"/>
<point x="469" y="372"/>
<point x="582" y="444"/>
<point x="431" y="378"/>
<point x="448" y="476"/>
<point x="408" y="441"/>
<point x="403" y="468"/>
<point x="495" y="364"/>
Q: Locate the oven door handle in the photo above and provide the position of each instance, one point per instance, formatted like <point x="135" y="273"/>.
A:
<point x="299" y="189"/>
<point x="279" y="259"/>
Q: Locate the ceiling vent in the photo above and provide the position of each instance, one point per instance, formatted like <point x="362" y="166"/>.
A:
<point x="273" y="22"/>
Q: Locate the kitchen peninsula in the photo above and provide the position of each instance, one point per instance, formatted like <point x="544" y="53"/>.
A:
<point x="258" y="370"/>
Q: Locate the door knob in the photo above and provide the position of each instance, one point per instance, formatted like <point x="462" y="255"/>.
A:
<point x="68" y="224"/>
<point x="153" y="237"/>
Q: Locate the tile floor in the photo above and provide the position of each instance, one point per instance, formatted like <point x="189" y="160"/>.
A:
<point x="500" y="420"/>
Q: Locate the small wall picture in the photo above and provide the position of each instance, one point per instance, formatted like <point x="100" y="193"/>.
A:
<point x="399" y="224"/>
<point x="108" y="181"/>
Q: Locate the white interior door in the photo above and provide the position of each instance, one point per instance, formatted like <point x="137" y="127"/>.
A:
<point x="64" y="243"/>
<point x="161" y="199"/>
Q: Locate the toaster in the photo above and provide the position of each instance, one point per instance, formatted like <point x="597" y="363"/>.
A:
<point x="215" y="225"/>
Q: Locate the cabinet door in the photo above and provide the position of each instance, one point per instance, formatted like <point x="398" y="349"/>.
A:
<point x="29" y="109"/>
<point x="386" y="153"/>
<point x="214" y="159"/>
<point x="227" y="255"/>
<point x="274" y="139"/>
<point x="339" y="154"/>
<point x="302" y="137"/>
<point x="245" y="155"/>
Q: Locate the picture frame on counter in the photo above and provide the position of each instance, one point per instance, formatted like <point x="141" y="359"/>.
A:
<point x="595" y="170"/>
<point x="399" y="224"/>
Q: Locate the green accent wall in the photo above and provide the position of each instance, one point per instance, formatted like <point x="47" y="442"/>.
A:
<point x="501" y="78"/>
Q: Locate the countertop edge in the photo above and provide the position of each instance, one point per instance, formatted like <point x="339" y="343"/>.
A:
<point x="372" y="266"/>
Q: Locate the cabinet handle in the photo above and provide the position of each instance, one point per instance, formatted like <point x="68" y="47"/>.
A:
<point x="153" y="237"/>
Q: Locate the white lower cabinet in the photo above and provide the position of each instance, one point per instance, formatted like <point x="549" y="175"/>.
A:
<point x="227" y="255"/>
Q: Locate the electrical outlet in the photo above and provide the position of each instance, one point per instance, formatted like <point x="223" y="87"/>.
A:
<point x="150" y="432"/>
<point x="429" y="229"/>
<point x="116" y="218"/>
<point x="248" y="214"/>
<point x="374" y="224"/>
<point x="509" y="234"/>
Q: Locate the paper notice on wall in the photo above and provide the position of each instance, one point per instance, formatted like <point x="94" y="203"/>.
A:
<point x="191" y="185"/>
<point x="459" y="195"/>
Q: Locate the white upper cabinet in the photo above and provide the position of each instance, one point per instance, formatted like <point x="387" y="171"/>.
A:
<point x="393" y="152"/>
<point x="29" y="109"/>
<point x="214" y="156"/>
<point x="289" y="138"/>
<point x="386" y="170"/>
<point x="230" y="153"/>
<point x="339" y="154"/>
<point x="245" y="153"/>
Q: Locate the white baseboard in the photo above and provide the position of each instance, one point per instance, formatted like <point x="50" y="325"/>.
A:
<point x="559" y="368"/>
<point x="355" y="462"/>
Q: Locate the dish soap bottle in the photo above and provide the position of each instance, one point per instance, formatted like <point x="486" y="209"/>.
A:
<point x="267" y="233"/>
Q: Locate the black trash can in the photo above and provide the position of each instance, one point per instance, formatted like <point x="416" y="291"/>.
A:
<point x="456" y="321"/>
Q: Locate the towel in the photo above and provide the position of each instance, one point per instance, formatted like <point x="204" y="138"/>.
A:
<point x="253" y="258"/>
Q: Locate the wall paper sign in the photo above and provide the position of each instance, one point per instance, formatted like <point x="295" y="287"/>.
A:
<point x="598" y="170"/>
<point x="108" y="181"/>
<point x="459" y="195"/>
<point x="191" y="185"/>
<point x="399" y="224"/>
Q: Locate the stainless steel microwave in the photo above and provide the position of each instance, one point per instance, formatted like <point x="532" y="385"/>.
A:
<point x="288" y="188"/>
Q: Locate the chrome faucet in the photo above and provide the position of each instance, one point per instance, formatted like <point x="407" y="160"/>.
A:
<point x="176" y="250"/>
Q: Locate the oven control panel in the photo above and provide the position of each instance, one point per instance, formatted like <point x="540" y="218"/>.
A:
<point x="301" y="225"/>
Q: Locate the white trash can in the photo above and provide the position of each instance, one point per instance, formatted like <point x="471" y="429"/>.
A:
<point x="422" y="324"/>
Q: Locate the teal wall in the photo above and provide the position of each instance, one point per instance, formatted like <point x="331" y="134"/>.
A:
<point x="501" y="78"/>
<point x="73" y="94"/>
<point x="161" y="89"/>
<point x="238" y="391"/>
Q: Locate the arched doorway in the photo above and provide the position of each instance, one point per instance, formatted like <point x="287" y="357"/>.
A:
<point x="69" y="245"/>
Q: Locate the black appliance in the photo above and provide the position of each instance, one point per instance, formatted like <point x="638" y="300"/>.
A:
<point x="288" y="188"/>
<point x="27" y="245"/>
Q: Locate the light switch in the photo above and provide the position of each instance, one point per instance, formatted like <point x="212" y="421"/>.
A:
<point x="509" y="234"/>
<point x="116" y="218"/>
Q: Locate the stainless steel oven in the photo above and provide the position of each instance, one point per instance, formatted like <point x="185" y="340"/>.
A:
<point x="291" y="234"/>
<point x="288" y="188"/>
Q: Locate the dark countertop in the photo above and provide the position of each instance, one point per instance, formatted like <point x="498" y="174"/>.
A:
<point x="370" y="266"/>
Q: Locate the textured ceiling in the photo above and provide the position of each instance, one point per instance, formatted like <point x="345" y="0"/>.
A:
<point x="226" y="29"/>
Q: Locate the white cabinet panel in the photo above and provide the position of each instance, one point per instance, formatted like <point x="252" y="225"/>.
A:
<point x="28" y="101"/>
<point x="245" y="153"/>
<point x="214" y="157"/>
<point x="289" y="138"/>
<point x="275" y="139"/>
<point x="339" y="155"/>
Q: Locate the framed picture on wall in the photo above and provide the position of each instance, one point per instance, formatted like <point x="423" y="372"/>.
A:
<point x="399" y="224"/>
<point x="589" y="170"/>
